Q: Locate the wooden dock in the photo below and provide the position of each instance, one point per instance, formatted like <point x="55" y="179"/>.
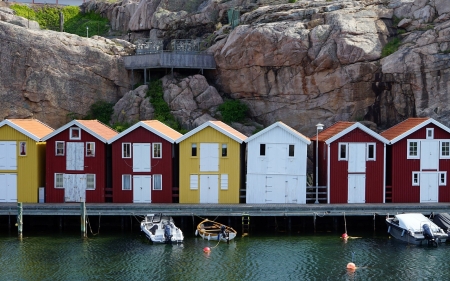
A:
<point x="229" y="210"/>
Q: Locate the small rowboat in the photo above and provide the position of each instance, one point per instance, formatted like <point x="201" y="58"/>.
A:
<point x="212" y="230"/>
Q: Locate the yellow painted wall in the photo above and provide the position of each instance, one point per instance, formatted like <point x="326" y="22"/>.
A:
<point x="227" y="165"/>
<point x="30" y="168"/>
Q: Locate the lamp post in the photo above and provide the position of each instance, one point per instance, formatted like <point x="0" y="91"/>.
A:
<point x="318" y="127"/>
<point x="87" y="31"/>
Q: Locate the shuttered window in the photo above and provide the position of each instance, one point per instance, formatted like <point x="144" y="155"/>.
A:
<point x="59" y="180"/>
<point x="157" y="182"/>
<point x="90" y="149"/>
<point x="126" y="182"/>
<point x="157" y="150"/>
<point x="90" y="181"/>
<point x="224" y="181"/>
<point x="193" y="182"/>
<point x="126" y="150"/>
<point x="59" y="148"/>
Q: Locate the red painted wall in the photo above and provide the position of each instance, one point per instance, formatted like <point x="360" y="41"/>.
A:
<point x="163" y="166"/>
<point x="339" y="170"/>
<point x="402" y="189"/>
<point x="92" y="165"/>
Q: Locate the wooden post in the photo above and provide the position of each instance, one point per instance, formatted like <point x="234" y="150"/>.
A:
<point x="19" y="219"/>
<point x="61" y="21"/>
<point x="83" y="219"/>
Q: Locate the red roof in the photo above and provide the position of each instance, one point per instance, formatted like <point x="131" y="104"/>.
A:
<point x="333" y="130"/>
<point x="402" y="127"/>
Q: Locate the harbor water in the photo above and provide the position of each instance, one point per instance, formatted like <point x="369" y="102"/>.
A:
<point x="128" y="255"/>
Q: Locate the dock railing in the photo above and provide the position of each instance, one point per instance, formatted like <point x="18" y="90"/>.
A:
<point x="311" y="194"/>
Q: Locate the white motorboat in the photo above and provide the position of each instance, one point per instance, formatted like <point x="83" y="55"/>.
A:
<point x="161" y="229"/>
<point x="415" y="228"/>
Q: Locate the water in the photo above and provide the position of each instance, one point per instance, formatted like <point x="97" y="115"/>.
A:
<point x="129" y="256"/>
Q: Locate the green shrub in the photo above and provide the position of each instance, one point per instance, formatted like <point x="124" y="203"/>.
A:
<point x="233" y="111"/>
<point x="120" y="127"/>
<point x="292" y="1"/>
<point x="100" y="110"/>
<point x="391" y="47"/>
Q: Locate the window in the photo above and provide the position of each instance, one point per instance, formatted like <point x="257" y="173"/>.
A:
<point x="262" y="149"/>
<point x="291" y="150"/>
<point x="430" y="133"/>
<point x="415" y="178"/>
<point x="126" y="182"/>
<point x="75" y="133"/>
<point x="443" y="178"/>
<point x="157" y="150"/>
<point x="22" y="148"/>
<point x="413" y="149"/>
<point x="90" y="182"/>
<point x="193" y="182"/>
<point x="224" y="181"/>
<point x="445" y="149"/>
<point x="157" y="182"/>
<point x="59" y="180"/>
<point x="194" y="149"/>
<point x="59" y="148"/>
<point x="90" y="149"/>
<point x="371" y="151"/>
<point x="343" y="147"/>
<point x="126" y="150"/>
<point x="224" y="150"/>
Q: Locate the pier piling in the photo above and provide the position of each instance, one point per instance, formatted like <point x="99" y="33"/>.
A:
<point x="19" y="219"/>
<point x="83" y="219"/>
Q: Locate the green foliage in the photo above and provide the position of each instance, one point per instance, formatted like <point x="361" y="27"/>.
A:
<point x="233" y="111"/>
<point x="100" y="110"/>
<point x="120" y="127"/>
<point x="75" y="22"/>
<point x="391" y="47"/>
<point x="292" y="1"/>
<point x="401" y="31"/>
<point x="396" y="20"/>
<point x="162" y="110"/>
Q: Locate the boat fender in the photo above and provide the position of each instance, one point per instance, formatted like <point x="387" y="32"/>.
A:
<point x="196" y="232"/>
<point x="209" y="237"/>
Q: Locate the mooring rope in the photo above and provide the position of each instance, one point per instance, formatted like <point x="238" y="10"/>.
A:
<point x="345" y="223"/>
<point x="89" y="223"/>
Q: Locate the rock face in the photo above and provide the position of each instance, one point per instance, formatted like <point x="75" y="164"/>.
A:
<point x="53" y="76"/>
<point x="133" y="107"/>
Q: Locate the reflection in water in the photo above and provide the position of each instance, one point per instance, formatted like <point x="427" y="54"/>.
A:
<point x="113" y="256"/>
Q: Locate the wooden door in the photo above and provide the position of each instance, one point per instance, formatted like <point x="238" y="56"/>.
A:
<point x="429" y="187"/>
<point x="209" y="157"/>
<point x="209" y="189"/>
<point x="429" y="155"/>
<point x="356" y="157"/>
<point x="141" y="157"/>
<point x="75" y="156"/>
<point x="356" y="188"/>
<point x="8" y="188"/>
<point x="74" y="187"/>
<point x="142" y="192"/>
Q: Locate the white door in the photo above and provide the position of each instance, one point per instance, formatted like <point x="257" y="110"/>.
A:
<point x="275" y="189"/>
<point x="75" y="156"/>
<point x="293" y="192"/>
<point x="356" y="188"/>
<point x="8" y="155"/>
<point x="209" y="188"/>
<point x="74" y="187"/>
<point x="429" y="155"/>
<point x="209" y="157"/>
<point x="8" y="188"/>
<point x="141" y="157"/>
<point x="429" y="187"/>
<point x="142" y="189"/>
<point x="356" y="157"/>
<point x="277" y="155"/>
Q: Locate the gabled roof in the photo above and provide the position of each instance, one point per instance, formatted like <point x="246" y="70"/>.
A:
<point x="154" y="126"/>
<point x="32" y="128"/>
<point x="283" y="126"/>
<point x="409" y="126"/>
<point x="93" y="127"/>
<point x="342" y="128"/>
<point x="219" y="126"/>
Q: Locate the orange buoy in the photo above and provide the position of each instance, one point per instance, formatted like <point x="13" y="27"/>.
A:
<point x="351" y="266"/>
<point x="206" y="250"/>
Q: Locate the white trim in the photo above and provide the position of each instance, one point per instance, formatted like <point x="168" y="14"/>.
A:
<point x="289" y="147"/>
<point x="285" y="128"/>
<point x="130" y="146"/>
<point x="346" y="151"/>
<point x="212" y="125"/>
<point x="445" y="178"/>
<point x="92" y="150"/>
<point x="153" y="182"/>
<point x="54" y="179"/>
<point x="87" y="181"/>
<point x="408" y="156"/>
<point x="191" y="186"/>
<point x="418" y="179"/>
<point x="328" y="174"/>
<point x="440" y="149"/>
<point x="224" y="182"/>
<point x="265" y="146"/>
<point x="160" y="150"/>
<point x="362" y="128"/>
<point x="20" y="129"/>
<point x="374" y="158"/>
<point x="420" y="126"/>
<point x="224" y="146"/>
<point x="145" y="126"/>
<point x="78" y="124"/>
<point x="74" y="129"/>
<point x="63" y="148"/>
<point x="130" y="182"/>
<point x="384" y="174"/>
<point x="429" y="133"/>
<point x="196" y="149"/>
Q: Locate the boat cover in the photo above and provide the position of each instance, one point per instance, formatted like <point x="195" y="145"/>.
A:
<point x="442" y="220"/>
<point x="415" y="222"/>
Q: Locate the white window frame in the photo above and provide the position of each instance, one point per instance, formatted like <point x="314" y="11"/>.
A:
<point x="346" y="151"/>
<point x="72" y="129"/>
<point x="194" y="145"/>
<point x="408" y="156"/>
<point x="153" y="184"/>
<point x="293" y="145"/>
<point x="154" y="145"/>
<point x="261" y="145"/>
<point x="430" y="133"/>
<point x="374" y="158"/>
<point x="441" y="143"/>
<point x="191" y="186"/>
<point x="224" y="149"/>
<point x="130" y="182"/>
<point x="92" y="149"/>
<point x="224" y="181"/>
<point x="129" y="149"/>
<point x="444" y="182"/>
<point x="417" y="174"/>
<point x="88" y="187"/>
<point x="63" y="148"/>
<point x="62" y="182"/>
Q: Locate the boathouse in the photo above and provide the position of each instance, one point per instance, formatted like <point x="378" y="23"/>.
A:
<point x="276" y="165"/>
<point x="145" y="163"/>
<point x="211" y="164"/>
<point x="78" y="162"/>
<point x="22" y="159"/>
<point x="418" y="161"/>
<point x="351" y="163"/>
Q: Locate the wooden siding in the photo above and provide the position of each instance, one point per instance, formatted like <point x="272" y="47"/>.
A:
<point x="230" y="165"/>
<point x="92" y="165"/>
<point x="124" y="166"/>
<point x="401" y="168"/>
<point x="170" y="60"/>
<point x="29" y="167"/>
